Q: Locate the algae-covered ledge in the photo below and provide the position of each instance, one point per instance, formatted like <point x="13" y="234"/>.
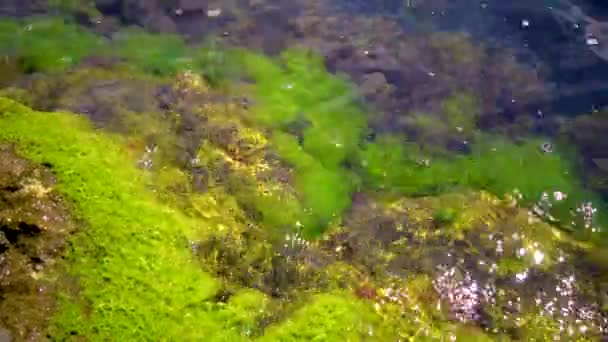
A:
<point x="366" y="290"/>
<point x="216" y="193"/>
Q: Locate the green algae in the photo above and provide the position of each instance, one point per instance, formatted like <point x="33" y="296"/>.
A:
<point x="298" y="93"/>
<point x="143" y="253"/>
<point x="161" y="54"/>
<point x="299" y="88"/>
<point x="53" y="44"/>
<point x="329" y="317"/>
<point x="279" y="210"/>
<point x="136" y="279"/>
<point x="132" y="262"/>
<point x="295" y="95"/>
<point x="243" y="311"/>
<point x="495" y="165"/>
<point x="445" y="215"/>
<point x="215" y="62"/>
<point x="461" y="111"/>
<point x="326" y="192"/>
<point x="46" y="44"/>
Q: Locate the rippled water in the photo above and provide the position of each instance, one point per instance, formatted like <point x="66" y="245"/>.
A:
<point x="304" y="170"/>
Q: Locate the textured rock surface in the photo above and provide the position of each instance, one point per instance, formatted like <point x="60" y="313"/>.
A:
<point x="34" y="226"/>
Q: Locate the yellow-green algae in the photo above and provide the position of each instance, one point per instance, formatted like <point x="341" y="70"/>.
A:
<point x="329" y="317"/>
<point x="135" y="276"/>
<point x="46" y="44"/>
<point x="129" y="261"/>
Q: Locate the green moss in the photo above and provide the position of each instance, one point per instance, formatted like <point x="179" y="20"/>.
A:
<point x="379" y="159"/>
<point x="243" y="311"/>
<point x="300" y="88"/>
<point x="494" y="165"/>
<point x="215" y="62"/>
<point x="297" y="93"/>
<point x="136" y="276"/>
<point x="325" y="192"/>
<point x="46" y="44"/>
<point x="445" y="215"/>
<point x="329" y="317"/>
<point x="53" y="44"/>
<point x="161" y="54"/>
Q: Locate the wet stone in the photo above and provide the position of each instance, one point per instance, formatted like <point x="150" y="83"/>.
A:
<point x="34" y="226"/>
<point x="190" y="6"/>
<point x="373" y="84"/>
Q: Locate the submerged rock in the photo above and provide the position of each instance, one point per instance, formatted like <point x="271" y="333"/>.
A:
<point x="588" y="132"/>
<point x="23" y="8"/>
<point x="34" y="226"/>
<point x="489" y="265"/>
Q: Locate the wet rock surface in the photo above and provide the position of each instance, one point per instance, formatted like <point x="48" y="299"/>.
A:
<point x="491" y="264"/>
<point x="486" y="264"/>
<point x="34" y="226"/>
<point x="463" y="258"/>
<point x="587" y="131"/>
<point x="423" y="68"/>
<point x="23" y="8"/>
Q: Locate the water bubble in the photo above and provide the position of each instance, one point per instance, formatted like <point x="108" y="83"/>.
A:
<point x="521" y="277"/>
<point x="538" y="257"/>
<point x="592" y="41"/>
<point x="521" y="252"/>
<point x="546" y="147"/>
<point x="214" y="12"/>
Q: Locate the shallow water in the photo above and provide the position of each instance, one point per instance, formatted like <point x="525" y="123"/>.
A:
<point x="304" y="170"/>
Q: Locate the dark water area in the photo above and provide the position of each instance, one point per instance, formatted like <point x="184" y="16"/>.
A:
<point x="531" y="28"/>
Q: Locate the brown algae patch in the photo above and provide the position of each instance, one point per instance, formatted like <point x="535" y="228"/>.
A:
<point x="34" y="226"/>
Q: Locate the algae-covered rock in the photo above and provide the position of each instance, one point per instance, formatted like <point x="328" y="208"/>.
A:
<point x="587" y="133"/>
<point x="103" y="259"/>
<point x="420" y="267"/>
<point x="34" y="226"/>
<point x="329" y="317"/>
<point x="213" y="237"/>
<point x="491" y="264"/>
<point x="135" y="250"/>
<point x="46" y="44"/>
